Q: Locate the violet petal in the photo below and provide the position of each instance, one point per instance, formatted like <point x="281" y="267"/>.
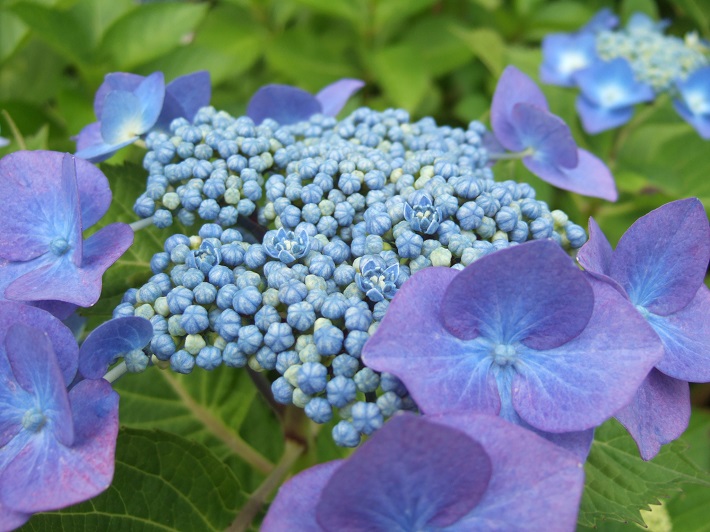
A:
<point x="658" y="414"/>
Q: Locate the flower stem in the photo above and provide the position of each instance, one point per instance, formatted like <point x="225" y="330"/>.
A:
<point x="141" y="224"/>
<point x="511" y="155"/>
<point x="116" y="372"/>
<point x="15" y="131"/>
<point x="292" y="451"/>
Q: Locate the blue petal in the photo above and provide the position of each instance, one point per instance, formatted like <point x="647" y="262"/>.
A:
<point x="115" y="81"/>
<point x="109" y="340"/>
<point x="612" y="85"/>
<point x="283" y="103"/>
<point x="545" y="133"/>
<point x="565" y="54"/>
<point x="122" y="119"/>
<point x="596" y="119"/>
<point x="333" y="97"/>
<point x="184" y="96"/>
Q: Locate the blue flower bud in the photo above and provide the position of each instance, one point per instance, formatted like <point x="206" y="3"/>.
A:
<point x="204" y="293"/>
<point x="319" y="410"/>
<point x="266" y="316"/>
<point x="575" y="234"/>
<point x="340" y="391"/>
<point x="358" y="319"/>
<point x="345" y="365"/>
<point x="366" y="380"/>
<point x="279" y="337"/>
<point x="345" y="435"/>
<point x="286" y="359"/>
<point x="541" y="228"/>
<point x="301" y="316"/>
<point x="377" y="280"/>
<point x="328" y="340"/>
<point x="209" y="358"/>
<point x="247" y="301"/>
<point x="179" y="299"/>
<point x="367" y="417"/>
<point x="163" y="346"/>
<point x="233" y="357"/>
<point x="282" y="391"/>
<point x="250" y="339"/>
<point x="136" y="361"/>
<point x="182" y="362"/>
<point x="162" y="218"/>
<point x="194" y="319"/>
<point x="389" y="403"/>
<point x="312" y="377"/>
<point x="266" y="358"/>
<point x="334" y="306"/>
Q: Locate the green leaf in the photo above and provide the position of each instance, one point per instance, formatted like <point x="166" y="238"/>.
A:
<point x="60" y="29"/>
<point x="162" y="481"/>
<point x="390" y="12"/>
<point x="150" y="31"/>
<point x="403" y="76"/>
<point x="442" y="51"/>
<point x="354" y="11"/>
<point x="629" y="7"/>
<point x="698" y="11"/>
<point x="558" y="16"/>
<point x="301" y="56"/>
<point x="619" y="483"/>
<point x="12" y="32"/>
<point x="488" y="46"/>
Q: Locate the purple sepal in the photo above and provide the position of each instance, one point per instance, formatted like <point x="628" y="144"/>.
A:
<point x="591" y="177"/>
<point x="294" y="507"/>
<point x="662" y="259"/>
<point x="62" y="340"/>
<point x="109" y="340"/>
<point x="658" y="414"/>
<point x="513" y="87"/>
<point x="68" y="474"/>
<point x="564" y="54"/>
<point x="282" y="103"/>
<point x="115" y="81"/>
<point x="417" y="488"/>
<point x="61" y="280"/>
<point x="184" y="96"/>
<point x="554" y="308"/>
<point x="546" y="134"/>
<point x="582" y="383"/>
<point x="59" y="309"/>
<point x="686" y="336"/>
<point x="523" y="464"/>
<point x="88" y="136"/>
<point x="461" y="381"/>
<point x="596" y="253"/>
<point x="333" y="97"/>
<point x="596" y="119"/>
<point x="10" y="520"/>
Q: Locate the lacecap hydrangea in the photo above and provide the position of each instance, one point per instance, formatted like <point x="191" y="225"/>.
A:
<point x="616" y="68"/>
<point x="333" y="216"/>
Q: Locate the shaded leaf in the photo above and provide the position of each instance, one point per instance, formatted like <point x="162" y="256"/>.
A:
<point x="488" y="46"/>
<point x="403" y="76"/>
<point x="152" y="30"/>
<point x="619" y="483"/>
<point x="162" y="481"/>
<point x="12" y="32"/>
<point x="442" y="51"/>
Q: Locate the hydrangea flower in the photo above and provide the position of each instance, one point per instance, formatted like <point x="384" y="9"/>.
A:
<point x="564" y="54"/>
<point x="378" y="277"/>
<point x="423" y="216"/>
<point x="59" y="429"/>
<point x="128" y="106"/>
<point x="521" y="333"/>
<point x="288" y="105"/>
<point x="125" y="114"/>
<point x="287" y="246"/>
<point x="522" y="123"/>
<point x="693" y="101"/>
<point x="608" y="94"/>
<point x="49" y="199"/>
<point x="463" y="472"/>
<point x="659" y="265"/>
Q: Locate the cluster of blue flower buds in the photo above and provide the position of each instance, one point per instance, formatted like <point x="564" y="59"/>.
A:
<point x="334" y="217"/>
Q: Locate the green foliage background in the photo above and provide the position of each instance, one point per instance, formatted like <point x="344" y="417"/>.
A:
<point x="432" y="57"/>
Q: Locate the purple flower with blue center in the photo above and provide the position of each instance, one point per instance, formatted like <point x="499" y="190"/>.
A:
<point x="124" y="115"/>
<point x="659" y="265"/>
<point x="564" y="54"/>
<point x="128" y="106"/>
<point x="522" y="123"/>
<point x="288" y="105"/>
<point x="57" y="429"/>
<point x="377" y="277"/>
<point x="521" y="333"/>
<point x="693" y="101"/>
<point x="609" y="92"/>
<point x="49" y="199"/>
<point x="422" y="215"/>
<point x="460" y="472"/>
<point x="287" y="246"/>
